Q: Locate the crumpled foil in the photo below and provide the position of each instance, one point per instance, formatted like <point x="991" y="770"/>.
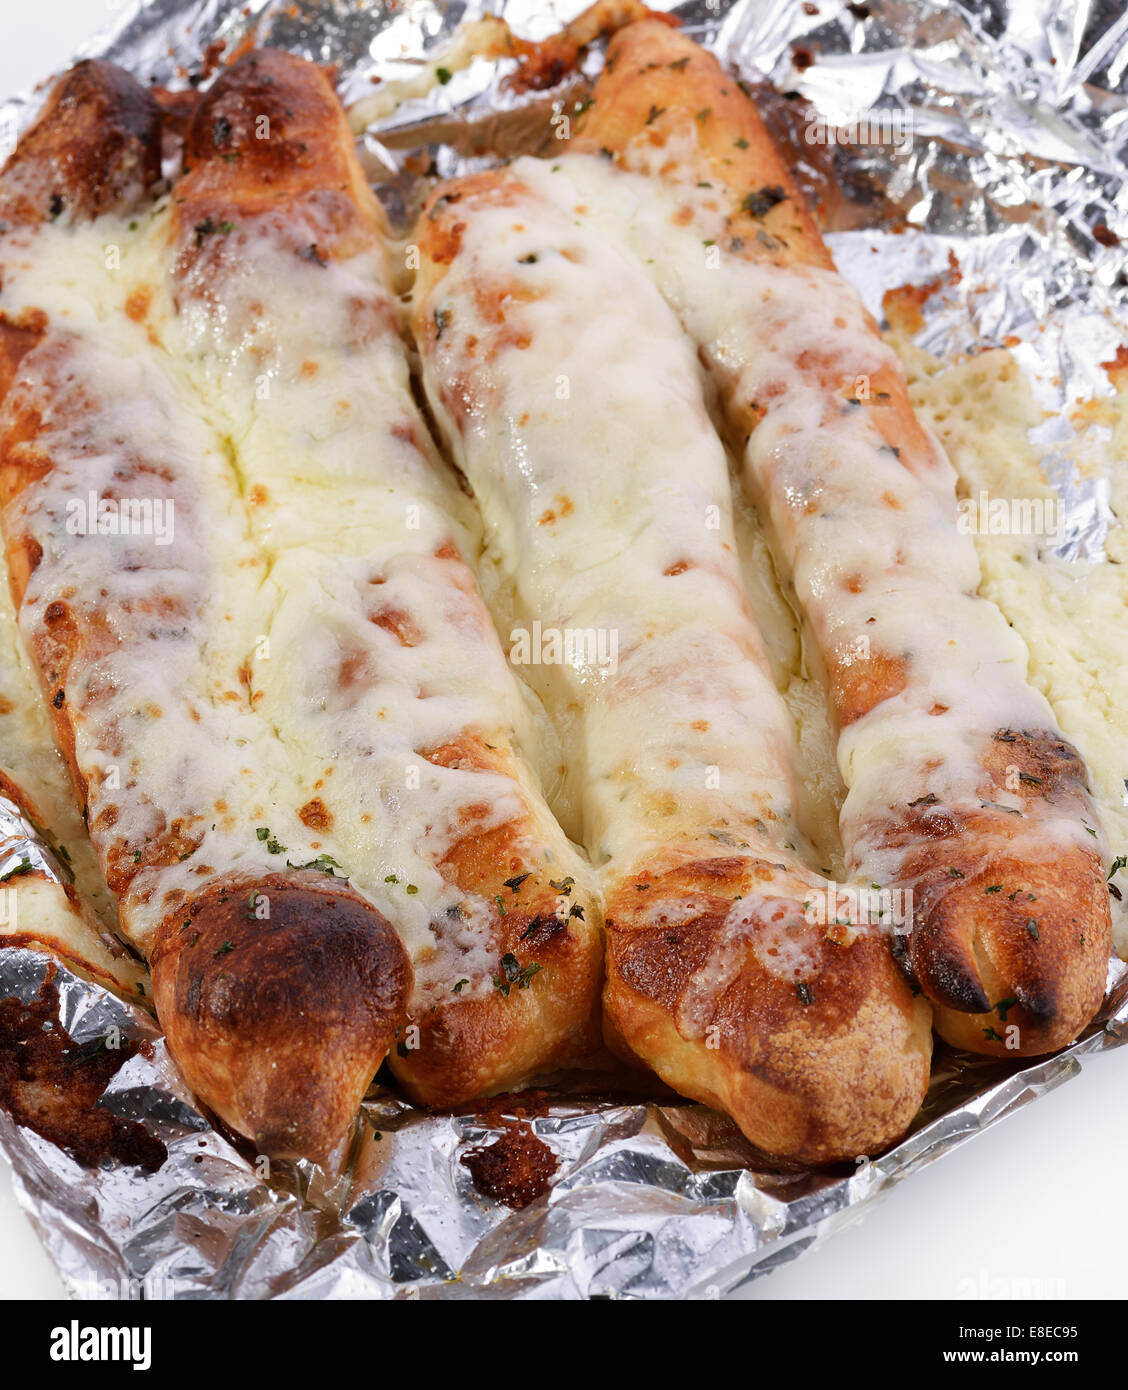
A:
<point x="1017" y="164"/>
<point x="24" y="849"/>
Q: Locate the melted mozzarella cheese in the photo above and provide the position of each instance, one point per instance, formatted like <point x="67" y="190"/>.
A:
<point x="28" y="756"/>
<point x="820" y="470"/>
<point x="164" y="730"/>
<point x="324" y="637"/>
<point x="607" y="500"/>
<point x="159" y="748"/>
<point x="373" y="648"/>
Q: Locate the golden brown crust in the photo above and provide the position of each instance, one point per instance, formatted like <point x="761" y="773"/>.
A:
<point x="825" y="1066"/>
<point x="94" y="148"/>
<point x="1012" y="946"/>
<point x="542" y="1011"/>
<point x="269" y="130"/>
<point x="655" y="81"/>
<point x="973" y="953"/>
<point x="280" y="996"/>
<point x="17" y="338"/>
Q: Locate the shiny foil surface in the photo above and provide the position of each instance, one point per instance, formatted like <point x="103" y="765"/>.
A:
<point x="1019" y="140"/>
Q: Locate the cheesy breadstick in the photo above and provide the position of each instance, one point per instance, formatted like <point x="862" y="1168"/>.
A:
<point x="384" y="680"/>
<point x="279" y="992"/>
<point x="960" y="786"/>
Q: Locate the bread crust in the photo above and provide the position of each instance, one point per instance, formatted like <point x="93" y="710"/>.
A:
<point x="95" y="148"/>
<point x="817" y="1070"/>
<point x="279" y="996"/>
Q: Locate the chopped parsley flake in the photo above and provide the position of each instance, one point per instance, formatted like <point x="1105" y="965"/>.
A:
<point x="324" y="864"/>
<point x="761" y="202"/>
<point x="514" y="974"/>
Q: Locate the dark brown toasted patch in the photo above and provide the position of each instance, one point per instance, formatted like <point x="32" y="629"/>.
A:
<point x="1001" y="914"/>
<point x="1047" y="767"/>
<point x="269" y="145"/>
<point x="1031" y="935"/>
<point x="97" y="138"/>
<point x="516" y="1168"/>
<point x="265" y="116"/>
<point x="52" y="1084"/>
<point x="280" y="997"/>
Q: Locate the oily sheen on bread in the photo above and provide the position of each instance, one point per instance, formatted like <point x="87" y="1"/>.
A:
<point x="271" y="522"/>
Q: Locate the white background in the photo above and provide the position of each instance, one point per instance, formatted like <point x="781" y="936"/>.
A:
<point x="1038" y="1203"/>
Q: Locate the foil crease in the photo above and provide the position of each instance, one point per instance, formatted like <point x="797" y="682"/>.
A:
<point x="1017" y="166"/>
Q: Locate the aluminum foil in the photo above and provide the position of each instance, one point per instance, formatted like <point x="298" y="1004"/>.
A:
<point x="24" y="848"/>
<point x="1017" y="164"/>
